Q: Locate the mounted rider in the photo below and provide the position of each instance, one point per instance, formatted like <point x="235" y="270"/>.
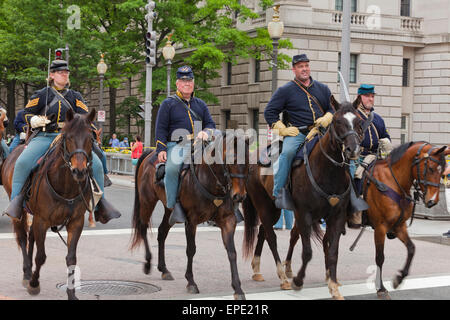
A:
<point x="175" y="123"/>
<point x="376" y="138"/>
<point x="45" y="114"/>
<point x="307" y="103"/>
<point x="4" y="146"/>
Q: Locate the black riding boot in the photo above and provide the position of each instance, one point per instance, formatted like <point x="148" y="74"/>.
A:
<point x="15" y="207"/>
<point x="105" y="211"/>
<point x="178" y="215"/>
<point x="284" y="200"/>
<point x="107" y="182"/>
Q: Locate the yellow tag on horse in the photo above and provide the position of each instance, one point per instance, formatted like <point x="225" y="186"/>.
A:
<point x="218" y="202"/>
<point x="333" y="201"/>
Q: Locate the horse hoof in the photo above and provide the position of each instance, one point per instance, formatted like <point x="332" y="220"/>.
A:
<point x="34" y="291"/>
<point x="25" y="283"/>
<point x="338" y="297"/>
<point x="296" y="287"/>
<point x="258" y="277"/>
<point x="396" y="282"/>
<point x="239" y="296"/>
<point x="193" y="289"/>
<point x="286" y="285"/>
<point x="147" y="267"/>
<point x="92" y="224"/>
<point x="383" y="295"/>
<point x="167" y="276"/>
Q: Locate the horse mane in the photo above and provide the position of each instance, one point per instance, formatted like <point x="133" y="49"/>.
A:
<point x="399" y="151"/>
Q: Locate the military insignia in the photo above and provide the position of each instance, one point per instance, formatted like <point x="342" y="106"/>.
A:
<point x="81" y="105"/>
<point x="32" y="103"/>
<point x="185" y="69"/>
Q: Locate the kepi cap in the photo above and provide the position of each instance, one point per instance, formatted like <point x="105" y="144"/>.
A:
<point x="185" y="72"/>
<point x="299" y="58"/>
<point x="366" y="89"/>
<point x="59" y="65"/>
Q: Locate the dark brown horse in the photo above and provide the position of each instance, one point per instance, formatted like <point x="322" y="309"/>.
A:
<point x="60" y="195"/>
<point x="224" y="182"/>
<point x="386" y="189"/>
<point x="320" y="189"/>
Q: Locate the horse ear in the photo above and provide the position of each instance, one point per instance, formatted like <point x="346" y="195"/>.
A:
<point x="69" y="115"/>
<point x="357" y="102"/>
<point x="91" y="115"/>
<point x="334" y="103"/>
<point x="442" y="150"/>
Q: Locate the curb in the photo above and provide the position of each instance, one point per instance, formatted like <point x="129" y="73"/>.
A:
<point x="122" y="182"/>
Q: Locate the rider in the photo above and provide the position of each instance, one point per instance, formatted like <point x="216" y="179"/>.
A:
<point x="21" y="127"/>
<point x="3" y="143"/>
<point x="179" y="111"/>
<point x="52" y="103"/>
<point x="307" y="102"/>
<point x="375" y="135"/>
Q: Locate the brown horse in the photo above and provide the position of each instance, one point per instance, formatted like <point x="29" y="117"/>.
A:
<point x="320" y="189"/>
<point x="387" y="188"/>
<point x="207" y="192"/>
<point x="60" y="194"/>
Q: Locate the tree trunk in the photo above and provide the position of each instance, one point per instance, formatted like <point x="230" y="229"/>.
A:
<point x="11" y="105"/>
<point x="112" y="110"/>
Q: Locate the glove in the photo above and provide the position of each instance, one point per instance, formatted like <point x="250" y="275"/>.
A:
<point x="39" y="121"/>
<point x="386" y="145"/>
<point x="285" y="131"/>
<point x="22" y="136"/>
<point x="312" y="133"/>
<point x="367" y="160"/>
<point x="324" y="121"/>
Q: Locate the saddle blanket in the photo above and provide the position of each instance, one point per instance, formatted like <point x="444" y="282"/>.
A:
<point x="309" y="147"/>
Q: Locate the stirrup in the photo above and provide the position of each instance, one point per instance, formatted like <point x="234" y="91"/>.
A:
<point x="108" y="181"/>
<point x="284" y="200"/>
<point x="357" y="204"/>
<point x="15" y="208"/>
<point x="177" y="215"/>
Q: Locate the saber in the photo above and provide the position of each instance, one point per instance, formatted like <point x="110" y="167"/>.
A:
<point x="357" y="238"/>
<point x="344" y="86"/>
<point x="48" y="77"/>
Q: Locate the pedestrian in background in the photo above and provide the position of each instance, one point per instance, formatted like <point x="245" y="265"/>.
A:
<point x="136" y="150"/>
<point x="114" y="142"/>
<point x="124" y="143"/>
<point x="288" y="218"/>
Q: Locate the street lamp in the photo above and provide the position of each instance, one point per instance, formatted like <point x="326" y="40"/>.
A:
<point x="101" y="69"/>
<point x="168" y="52"/>
<point x="275" y="28"/>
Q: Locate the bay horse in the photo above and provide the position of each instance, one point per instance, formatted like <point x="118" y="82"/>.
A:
<point x="320" y="189"/>
<point x="60" y="194"/>
<point x="386" y="188"/>
<point x="207" y="192"/>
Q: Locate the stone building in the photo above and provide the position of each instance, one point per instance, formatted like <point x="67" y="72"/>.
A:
<point x="400" y="46"/>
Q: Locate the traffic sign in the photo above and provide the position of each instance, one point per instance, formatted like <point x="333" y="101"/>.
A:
<point x="101" y="116"/>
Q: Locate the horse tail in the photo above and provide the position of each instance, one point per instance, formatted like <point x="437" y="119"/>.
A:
<point x="139" y="227"/>
<point x="251" y="223"/>
<point x="317" y="233"/>
<point x="21" y="229"/>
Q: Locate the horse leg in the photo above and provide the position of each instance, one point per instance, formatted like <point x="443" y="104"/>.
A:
<point x="292" y="242"/>
<point x="190" y="230"/>
<point x="333" y="235"/>
<point x="256" y="261"/>
<point x="145" y="215"/>
<point x="380" y="237"/>
<point x="305" y="233"/>
<point x="228" y="240"/>
<point x="402" y="234"/>
<point x="91" y="220"/>
<point x="26" y="281"/>
<point x="39" y="231"/>
<point x="21" y="237"/>
<point x="73" y="235"/>
<point x="163" y="231"/>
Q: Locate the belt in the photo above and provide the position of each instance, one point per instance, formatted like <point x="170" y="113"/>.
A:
<point x="184" y="138"/>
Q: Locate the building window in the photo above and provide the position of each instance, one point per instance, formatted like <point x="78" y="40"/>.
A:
<point x="255" y="120"/>
<point x="405" y="73"/>
<point x="404" y="129"/>
<point x="405" y="8"/>
<point x="226" y="117"/>
<point x="257" y="70"/>
<point x="339" y="5"/>
<point x="229" y="73"/>
<point x="353" y="67"/>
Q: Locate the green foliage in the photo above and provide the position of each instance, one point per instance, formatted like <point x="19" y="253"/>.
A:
<point x="128" y="110"/>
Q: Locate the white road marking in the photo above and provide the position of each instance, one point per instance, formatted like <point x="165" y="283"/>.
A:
<point x="346" y="290"/>
<point x="110" y="232"/>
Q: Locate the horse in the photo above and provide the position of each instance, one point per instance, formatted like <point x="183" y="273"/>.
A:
<point x="207" y="192"/>
<point x="386" y="188"/>
<point x="320" y="189"/>
<point x="60" y="193"/>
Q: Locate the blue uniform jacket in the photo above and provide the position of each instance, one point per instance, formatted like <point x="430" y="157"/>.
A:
<point x="302" y="110"/>
<point x="376" y="131"/>
<point x="36" y="104"/>
<point x="19" y="122"/>
<point x="173" y="115"/>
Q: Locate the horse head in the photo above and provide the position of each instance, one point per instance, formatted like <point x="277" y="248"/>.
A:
<point x="346" y="128"/>
<point x="77" y="143"/>
<point x="236" y="154"/>
<point x="428" y="168"/>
